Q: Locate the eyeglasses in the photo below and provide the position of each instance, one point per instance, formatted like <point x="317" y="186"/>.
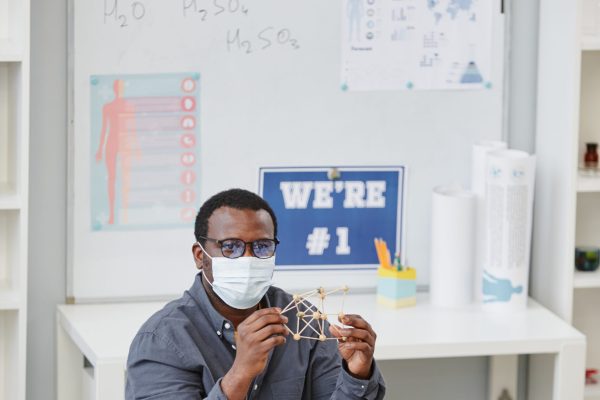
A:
<point x="234" y="248"/>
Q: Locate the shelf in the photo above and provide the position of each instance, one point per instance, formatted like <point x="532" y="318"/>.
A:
<point x="9" y="251"/>
<point x="586" y="279"/>
<point x="9" y="300"/>
<point x="10" y="363"/>
<point x="588" y="184"/>
<point x="14" y="161"/>
<point x="9" y="202"/>
<point x="13" y="30"/>
<point x="590" y="42"/>
<point x="10" y="51"/>
<point x="10" y="125"/>
<point x="592" y="390"/>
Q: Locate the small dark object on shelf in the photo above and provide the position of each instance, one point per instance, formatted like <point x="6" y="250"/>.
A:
<point x="504" y="395"/>
<point x="587" y="258"/>
<point x="591" y="155"/>
<point x="590" y="376"/>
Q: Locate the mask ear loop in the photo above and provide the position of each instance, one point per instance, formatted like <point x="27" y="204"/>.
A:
<point x="204" y="251"/>
<point x="202" y="269"/>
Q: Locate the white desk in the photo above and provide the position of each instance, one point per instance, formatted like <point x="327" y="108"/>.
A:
<point x="102" y="334"/>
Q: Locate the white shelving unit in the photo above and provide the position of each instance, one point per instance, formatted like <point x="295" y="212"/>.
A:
<point x="587" y="284"/>
<point x="592" y="391"/>
<point x="588" y="184"/>
<point x="567" y="210"/>
<point x="14" y="171"/>
<point x="590" y="42"/>
<point x="584" y="280"/>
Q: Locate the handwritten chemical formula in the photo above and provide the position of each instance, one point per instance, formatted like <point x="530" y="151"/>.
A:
<point x="125" y="14"/>
<point x="264" y="39"/>
<point x="212" y="8"/>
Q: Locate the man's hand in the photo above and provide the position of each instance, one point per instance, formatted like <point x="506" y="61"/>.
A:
<point x="359" y="345"/>
<point x="256" y="337"/>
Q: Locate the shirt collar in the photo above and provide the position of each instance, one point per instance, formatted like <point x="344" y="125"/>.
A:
<point x="218" y="323"/>
<point x="198" y="293"/>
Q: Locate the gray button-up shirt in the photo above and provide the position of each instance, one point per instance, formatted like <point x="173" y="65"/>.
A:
<point x="183" y="351"/>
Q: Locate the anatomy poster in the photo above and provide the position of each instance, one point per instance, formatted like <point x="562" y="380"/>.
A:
<point x="144" y="151"/>
<point x="416" y="44"/>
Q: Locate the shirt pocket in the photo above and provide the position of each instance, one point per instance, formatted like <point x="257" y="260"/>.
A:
<point x="288" y="389"/>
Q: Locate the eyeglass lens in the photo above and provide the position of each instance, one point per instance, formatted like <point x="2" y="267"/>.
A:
<point x="233" y="248"/>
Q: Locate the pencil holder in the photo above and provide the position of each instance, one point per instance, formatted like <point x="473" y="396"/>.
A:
<point x="396" y="284"/>
<point x="397" y="289"/>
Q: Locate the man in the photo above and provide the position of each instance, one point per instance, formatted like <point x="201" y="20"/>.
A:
<point x="226" y="339"/>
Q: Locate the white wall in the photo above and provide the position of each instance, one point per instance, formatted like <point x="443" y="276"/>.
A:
<point x="463" y="379"/>
<point x="523" y="74"/>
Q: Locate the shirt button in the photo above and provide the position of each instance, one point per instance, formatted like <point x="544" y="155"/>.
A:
<point x="219" y="333"/>
<point x="362" y="386"/>
<point x="255" y="386"/>
<point x="227" y="326"/>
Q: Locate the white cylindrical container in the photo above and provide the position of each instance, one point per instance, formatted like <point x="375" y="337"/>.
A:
<point x="452" y="251"/>
<point x="478" y="168"/>
<point x="508" y="220"/>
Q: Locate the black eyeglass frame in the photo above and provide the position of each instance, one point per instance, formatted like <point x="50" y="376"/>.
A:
<point x="220" y="242"/>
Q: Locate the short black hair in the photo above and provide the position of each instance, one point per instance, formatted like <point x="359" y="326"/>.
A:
<point x="239" y="199"/>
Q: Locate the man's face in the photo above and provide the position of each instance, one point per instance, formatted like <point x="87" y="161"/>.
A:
<point x="231" y="223"/>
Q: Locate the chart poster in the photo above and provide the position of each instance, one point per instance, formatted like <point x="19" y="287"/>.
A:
<point x="329" y="217"/>
<point x="416" y="44"/>
<point x="144" y="151"/>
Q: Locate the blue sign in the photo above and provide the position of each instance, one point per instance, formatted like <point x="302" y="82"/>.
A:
<point x="328" y="217"/>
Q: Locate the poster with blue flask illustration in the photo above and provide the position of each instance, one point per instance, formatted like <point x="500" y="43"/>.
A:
<point x="416" y="44"/>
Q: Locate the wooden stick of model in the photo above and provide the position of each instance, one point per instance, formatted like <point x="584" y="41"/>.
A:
<point x="309" y="313"/>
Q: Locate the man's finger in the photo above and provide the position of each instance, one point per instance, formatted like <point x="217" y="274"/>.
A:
<point x="357" y="346"/>
<point x="360" y="334"/>
<point x="265" y="320"/>
<point x="357" y="322"/>
<point x="270" y="330"/>
<point x="267" y="344"/>
<point x="259" y="313"/>
<point x="335" y="331"/>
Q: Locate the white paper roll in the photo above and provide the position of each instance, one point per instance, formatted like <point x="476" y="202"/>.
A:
<point x="452" y="238"/>
<point x="509" y="208"/>
<point x="478" y="168"/>
<point x="478" y="163"/>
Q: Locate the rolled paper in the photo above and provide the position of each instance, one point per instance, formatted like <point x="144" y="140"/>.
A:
<point x="508" y="221"/>
<point x="478" y="176"/>
<point x="452" y="238"/>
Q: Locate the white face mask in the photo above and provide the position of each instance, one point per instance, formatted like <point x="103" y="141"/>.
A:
<point x="241" y="282"/>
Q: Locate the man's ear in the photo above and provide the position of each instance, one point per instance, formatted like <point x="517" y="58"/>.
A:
<point x="198" y="255"/>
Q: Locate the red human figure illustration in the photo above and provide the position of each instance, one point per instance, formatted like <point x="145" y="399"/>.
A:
<point x="119" y="135"/>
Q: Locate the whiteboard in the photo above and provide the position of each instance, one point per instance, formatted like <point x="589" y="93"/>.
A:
<point x="277" y="106"/>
